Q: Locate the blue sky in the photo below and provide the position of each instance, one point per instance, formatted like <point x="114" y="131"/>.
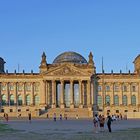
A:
<point x="108" y="28"/>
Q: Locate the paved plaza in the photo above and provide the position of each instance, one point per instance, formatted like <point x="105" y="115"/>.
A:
<point x="42" y="129"/>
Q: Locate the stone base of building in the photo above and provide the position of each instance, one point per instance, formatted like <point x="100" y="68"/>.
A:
<point x="69" y="112"/>
<point x="42" y="111"/>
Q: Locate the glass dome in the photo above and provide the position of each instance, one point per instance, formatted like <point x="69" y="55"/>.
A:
<point x="71" y="57"/>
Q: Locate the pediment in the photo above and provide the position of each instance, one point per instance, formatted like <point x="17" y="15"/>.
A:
<point x="67" y="70"/>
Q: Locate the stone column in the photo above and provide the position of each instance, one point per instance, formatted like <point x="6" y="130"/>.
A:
<point x="46" y="93"/>
<point x="71" y="94"/>
<point x="53" y="94"/>
<point x="32" y="93"/>
<point x="62" y="95"/>
<point x="16" y="94"/>
<point x="8" y="94"/>
<point x="80" y="94"/>
<point x="42" y="92"/>
<point x="92" y="93"/>
<point x="138" y="96"/>
<point x="88" y="94"/>
<point x="129" y="95"/>
<point x="24" y="94"/>
<point x="83" y="90"/>
<point x="112" y="95"/>
<point x="0" y="98"/>
<point x="121" y="94"/>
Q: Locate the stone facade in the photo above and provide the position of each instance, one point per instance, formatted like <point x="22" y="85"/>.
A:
<point x="70" y="86"/>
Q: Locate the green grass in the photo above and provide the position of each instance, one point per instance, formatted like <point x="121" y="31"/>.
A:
<point x="5" y="128"/>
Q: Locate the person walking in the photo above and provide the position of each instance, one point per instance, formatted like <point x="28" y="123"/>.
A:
<point x="109" y="120"/>
<point x="95" y="122"/>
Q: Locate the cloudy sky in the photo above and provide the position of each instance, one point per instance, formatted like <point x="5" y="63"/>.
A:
<point x="108" y="28"/>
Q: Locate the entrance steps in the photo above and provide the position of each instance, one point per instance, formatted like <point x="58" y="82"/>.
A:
<point x="70" y="113"/>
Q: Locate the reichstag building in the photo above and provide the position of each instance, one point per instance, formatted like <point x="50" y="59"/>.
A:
<point x="70" y="86"/>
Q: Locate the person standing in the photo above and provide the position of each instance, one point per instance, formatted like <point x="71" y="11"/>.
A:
<point x="109" y="120"/>
<point x="102" y="121"/>
<point x="54" y="117"/>
<point x="30" y="117"/>
<point x="60" y="117"/>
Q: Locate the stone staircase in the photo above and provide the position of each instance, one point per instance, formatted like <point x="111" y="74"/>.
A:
<point x="70" y="113"/>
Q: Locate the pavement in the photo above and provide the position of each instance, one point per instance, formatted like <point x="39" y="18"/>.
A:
<point x="44" y="126"/>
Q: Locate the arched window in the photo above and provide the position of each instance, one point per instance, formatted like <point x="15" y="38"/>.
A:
<point x="19" y="100"/>
<point x="133" y="100"/>
<point x="36" y="100"/>
<point x="3" y="99"/>
<point x="12" y="99"/>
<point x="107" y="100"/>
<point x="124" y="100"/>
<point x="116" y="100"/>
<point x="99" y="100"/>
<point x="28" y="100"/>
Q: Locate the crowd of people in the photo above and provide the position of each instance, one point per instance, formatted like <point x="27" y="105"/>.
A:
<point x="99" y="121"/>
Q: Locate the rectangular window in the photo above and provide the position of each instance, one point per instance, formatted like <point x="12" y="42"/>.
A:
<point x="99" y="88"/>
<point x="125" y="88"/>
<point x="107" y="88"/>
<point x="19" y="87"/>
<point x="3" y="87"/>
<point x="116" y="88"/>
<point x="28" y="87"/>
<point x="11" y="87"/>
<point x="133" y="88"/>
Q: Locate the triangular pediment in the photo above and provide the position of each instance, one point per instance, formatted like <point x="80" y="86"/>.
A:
<point x="66" y="70"/>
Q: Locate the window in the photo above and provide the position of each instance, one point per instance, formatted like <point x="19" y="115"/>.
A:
<point x="107" y="100"/>
<point x="11" y="87"/>
<point x="36" y="100"/>
<point x="133" y="88"/>
<point x="99" y="100"/>
<point x="36" y="87"/>
<point x="28" y="87"/>
<point x="28" y="100"/>
<point x="117" y="111"/>
<point x="11" y="110"/>
<point x="125" y="88"/>
<point x="2" y="110"/>
<point x="126" y="111"/>
<point x="124" y="100"/>
<point x="19" y="87"/>
<point x="99" y="88"/>
<point x="12" y="99"/>
<point x="116" y="100"/>
<point x="107" y="88"/>
<point x="133" y="100"/>
<point x="3" y="99"/>
<point x="116" y="88"/>
<point x="3" y="87"/>
<point x="19" y="100"/>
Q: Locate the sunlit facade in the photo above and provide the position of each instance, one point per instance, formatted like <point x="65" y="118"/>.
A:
<point x="70" y="86"/>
